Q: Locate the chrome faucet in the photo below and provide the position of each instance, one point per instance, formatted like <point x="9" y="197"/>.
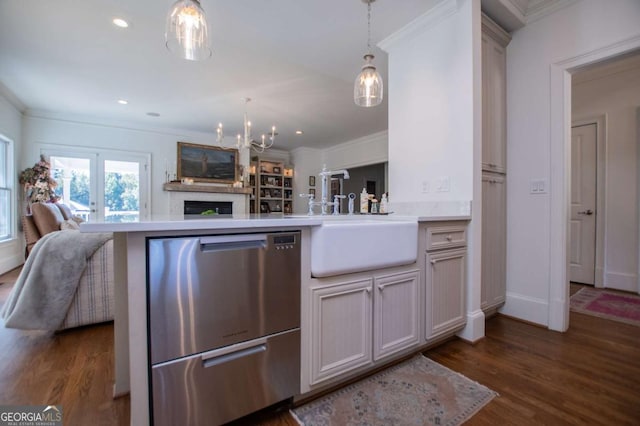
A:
<point x="325" y="175"/>
<point x="312" y="202"/>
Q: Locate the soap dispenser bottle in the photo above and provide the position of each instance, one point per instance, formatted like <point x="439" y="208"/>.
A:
<point x="364" y="201"/>
<point x="384" y="204"/>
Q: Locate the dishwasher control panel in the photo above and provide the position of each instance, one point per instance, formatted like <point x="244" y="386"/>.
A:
<point x="284" y="242"/>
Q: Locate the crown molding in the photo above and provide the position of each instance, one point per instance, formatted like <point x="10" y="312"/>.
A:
<point x="419" y="25"/>
<point x="495" y="31"/>
<point x="12" y="98"/>
<point x="539" y="9"/>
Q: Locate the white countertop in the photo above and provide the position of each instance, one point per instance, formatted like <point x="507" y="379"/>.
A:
<point x="168" y="223"/>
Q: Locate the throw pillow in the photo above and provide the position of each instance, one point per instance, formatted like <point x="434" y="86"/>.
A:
<point x="77" y="219"/>
<point x="47" y="217"/>
<point x="69" y="224"/>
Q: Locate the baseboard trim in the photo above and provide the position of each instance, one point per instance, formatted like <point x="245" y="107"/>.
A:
<point x="474" y="329"/>
<point x="526" y="308"/>
<point x="11" y="263"/>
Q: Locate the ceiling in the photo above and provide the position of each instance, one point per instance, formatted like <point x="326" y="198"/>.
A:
<point x="297" y="60"/>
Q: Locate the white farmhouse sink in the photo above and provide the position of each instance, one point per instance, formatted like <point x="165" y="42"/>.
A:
<point x="342" y="247"/>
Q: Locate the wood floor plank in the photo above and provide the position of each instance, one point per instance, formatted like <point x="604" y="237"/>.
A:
<point x="588" y="375"/>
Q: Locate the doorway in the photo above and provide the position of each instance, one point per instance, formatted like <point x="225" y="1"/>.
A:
<point x="560" y="142"/>
<point x="102" y="185"/>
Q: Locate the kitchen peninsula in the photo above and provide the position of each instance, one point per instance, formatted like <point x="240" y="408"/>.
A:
<point x="393" y="309"/>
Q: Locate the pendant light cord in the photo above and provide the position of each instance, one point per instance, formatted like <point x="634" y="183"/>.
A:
<point x="369" y="26"/>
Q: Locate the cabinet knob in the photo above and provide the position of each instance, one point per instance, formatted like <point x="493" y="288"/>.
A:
<point x="381" y="288"/>
<point x="368" y="290"/>
<point x="449" y="238"/>
<point x="433" y="261"/>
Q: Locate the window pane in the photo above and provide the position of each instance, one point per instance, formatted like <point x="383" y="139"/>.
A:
<point x="121" y="191"/>
<point x="5" y="214"/>
<point x="74" y="184"/>
<point x="4" y="147"/>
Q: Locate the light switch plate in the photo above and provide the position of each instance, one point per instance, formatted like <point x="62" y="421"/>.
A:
<point x="538" y="186"/>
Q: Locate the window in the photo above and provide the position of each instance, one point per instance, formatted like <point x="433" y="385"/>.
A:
<point x="6" y="204"/>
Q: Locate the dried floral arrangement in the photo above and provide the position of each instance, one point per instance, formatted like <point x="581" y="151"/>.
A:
<point x="39" y="186"/>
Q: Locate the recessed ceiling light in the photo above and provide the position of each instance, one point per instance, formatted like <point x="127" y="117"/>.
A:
<point x="299" y="132"/>
<point x="153" y="114"/>
<point x="119" y="22"/>
<point x="123" y="101"/>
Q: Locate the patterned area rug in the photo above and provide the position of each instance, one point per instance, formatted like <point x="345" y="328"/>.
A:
<point x="607" y="304"/>
<point x="416" y="392"/>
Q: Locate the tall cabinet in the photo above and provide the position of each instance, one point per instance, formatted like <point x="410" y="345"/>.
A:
<point x="494" y="167"/>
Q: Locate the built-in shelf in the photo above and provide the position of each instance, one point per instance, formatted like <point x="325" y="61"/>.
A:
<point x="177" y="186"/>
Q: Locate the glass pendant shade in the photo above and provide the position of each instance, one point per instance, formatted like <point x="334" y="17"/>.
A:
<point x="368" y="90"/>
<point x="186" y="32"/>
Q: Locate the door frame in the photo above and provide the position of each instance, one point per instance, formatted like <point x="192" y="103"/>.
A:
<point x="601" y="182"/>
<point x="560" y="167"/>
<point x="101" y="154"/>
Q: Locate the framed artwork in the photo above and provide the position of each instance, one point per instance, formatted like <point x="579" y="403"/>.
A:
<point x="312" y="181"/>
<point x="276" y="170"/>
<point x="205" y="163"/>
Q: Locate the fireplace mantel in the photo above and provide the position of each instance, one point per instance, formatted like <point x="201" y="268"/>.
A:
<point x="177" y="186"/>
<point x="178" y="193"/>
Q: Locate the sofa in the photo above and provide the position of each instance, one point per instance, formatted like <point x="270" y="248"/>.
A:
<point x="92" y="301"/>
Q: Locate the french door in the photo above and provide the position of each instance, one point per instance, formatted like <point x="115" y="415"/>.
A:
<point x="101" y="185"/>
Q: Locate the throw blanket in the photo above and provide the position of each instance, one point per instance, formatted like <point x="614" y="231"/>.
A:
<point x="49" y="278"/>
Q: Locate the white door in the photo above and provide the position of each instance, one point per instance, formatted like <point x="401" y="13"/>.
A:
<point x="583" y="204"/>
<point x="103" y="186"/>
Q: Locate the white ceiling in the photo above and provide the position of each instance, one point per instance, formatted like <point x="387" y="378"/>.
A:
<point x="297" y="59"/>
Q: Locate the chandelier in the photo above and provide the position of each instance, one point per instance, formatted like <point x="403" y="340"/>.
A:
<point x="368" y="90"/>
<point x="246" y="140"/>
<point x="186" y="30"/>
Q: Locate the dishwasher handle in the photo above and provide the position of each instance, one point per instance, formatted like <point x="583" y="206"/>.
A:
<point x="231" y="353"/>
<point x="233" y="242"/>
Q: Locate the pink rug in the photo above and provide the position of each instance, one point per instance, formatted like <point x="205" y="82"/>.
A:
<point x="616" y="306"/>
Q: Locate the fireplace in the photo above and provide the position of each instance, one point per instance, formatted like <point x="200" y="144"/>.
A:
<point x="197" y="207"/>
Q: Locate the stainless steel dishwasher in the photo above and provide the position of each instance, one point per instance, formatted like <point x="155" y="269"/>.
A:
<point x="224" y="325"/>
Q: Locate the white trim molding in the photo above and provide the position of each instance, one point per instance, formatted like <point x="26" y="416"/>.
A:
<point x="421" y="24"/>
<point x="560" y="138"/>
<point x="474" y="329"/>
<point x="527" y="308"/>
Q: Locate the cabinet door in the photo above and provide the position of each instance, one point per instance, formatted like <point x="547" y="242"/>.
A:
<point x="341" y="329"/>
<point x="494" y="242"/>
<point x="395" y="313"/>
<point x="445" y="291"/>
<point x="493" y="105"/>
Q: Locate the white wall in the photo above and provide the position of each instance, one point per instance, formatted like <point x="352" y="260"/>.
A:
<point x="370" y="149"/>
<point x="534" y="267"/>
<point x="43" y="131"/>
<point x="431" y="105"/>
<point x="435" y="124"/>
<point x="12" y="252"/>
<point x="617" y="96"/>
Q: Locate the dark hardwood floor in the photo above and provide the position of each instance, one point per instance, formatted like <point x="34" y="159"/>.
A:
<point x="589" y="375"/>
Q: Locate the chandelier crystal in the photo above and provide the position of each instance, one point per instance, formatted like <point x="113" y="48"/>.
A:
<point x="368" y="90"/>
<point x="186" y="32"/>
<point x="246" y="140"/>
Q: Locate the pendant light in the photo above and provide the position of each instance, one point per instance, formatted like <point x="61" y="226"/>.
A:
<point x="186" y="32"/>
<point x="368" y="90"/>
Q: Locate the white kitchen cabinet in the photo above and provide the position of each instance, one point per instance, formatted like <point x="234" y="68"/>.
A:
<point x="341" y="328"/>
<point x="494" y="101"/>
<point x="445" y="265"/>
<point x="445" y="296"/>
<point x="494" y="206"/>
<point x="396" y="313"/>
<point x="494" y="228"/>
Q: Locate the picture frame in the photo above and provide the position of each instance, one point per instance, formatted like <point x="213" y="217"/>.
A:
<point x="312" y="181"/>
<point x="312" y="191"/>
<point x="276" y="170"/>
<point x="206" y="163"/>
